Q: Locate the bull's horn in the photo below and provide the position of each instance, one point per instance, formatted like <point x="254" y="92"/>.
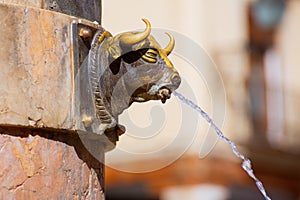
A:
<point x="133" y="38"/>
<point x="169" y="48"/>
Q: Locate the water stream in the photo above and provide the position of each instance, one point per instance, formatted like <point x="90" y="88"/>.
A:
<point x="246" y="163"/>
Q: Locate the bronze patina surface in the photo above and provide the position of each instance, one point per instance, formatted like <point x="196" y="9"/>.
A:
<point x="126" y="68"/>
<point x="87" y="9"/>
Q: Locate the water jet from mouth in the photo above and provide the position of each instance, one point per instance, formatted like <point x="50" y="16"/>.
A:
<point x="246" y="163"/>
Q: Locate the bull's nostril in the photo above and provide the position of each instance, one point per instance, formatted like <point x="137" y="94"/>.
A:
<point x="176" y="80"/>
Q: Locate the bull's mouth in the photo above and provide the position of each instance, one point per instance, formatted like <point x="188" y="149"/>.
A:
<point x="164" y="94"/>
<point x="147" y="93"/>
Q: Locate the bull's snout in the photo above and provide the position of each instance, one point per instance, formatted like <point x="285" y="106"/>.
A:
<point x="176" y="80"/>
<point x="165" y="92"/>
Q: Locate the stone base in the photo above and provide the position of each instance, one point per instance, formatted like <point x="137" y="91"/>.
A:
<point x="47" y="165"/>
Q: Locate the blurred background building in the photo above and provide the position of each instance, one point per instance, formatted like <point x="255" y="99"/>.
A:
<point x="255" y="45"/>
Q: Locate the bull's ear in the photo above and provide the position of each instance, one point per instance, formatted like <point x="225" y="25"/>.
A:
<point x="114" y="58"/>
<point x="114" y="51"/>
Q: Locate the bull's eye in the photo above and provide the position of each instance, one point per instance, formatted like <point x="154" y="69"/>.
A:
<point x="150" y="56"/>
<point x="133" y="56"/>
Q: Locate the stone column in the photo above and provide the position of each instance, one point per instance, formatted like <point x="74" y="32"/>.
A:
<point x="42" y="156"/>
<point x="87" y="9"/>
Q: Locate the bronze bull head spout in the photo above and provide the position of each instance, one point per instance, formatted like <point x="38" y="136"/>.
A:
<point x="138" y="60"/>
<point x="133" y="67"/>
